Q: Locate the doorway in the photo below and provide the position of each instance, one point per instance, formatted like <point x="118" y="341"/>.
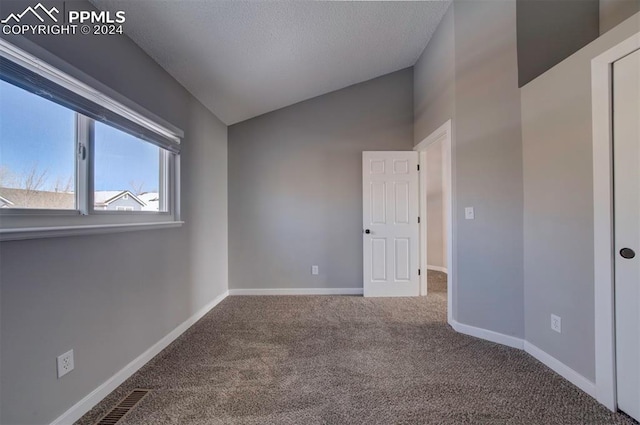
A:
<point x="436" y="209"/>
<point x="395" y="220"/>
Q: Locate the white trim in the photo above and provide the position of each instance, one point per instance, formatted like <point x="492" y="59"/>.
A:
<point x="297" y="291"/>
<point x="551" y="362"/>
<point x="445" y="134"/>
<point x="561" y="369"/>
<point x="509" y="341"/>
<point x="19" y="234"/>
<point x="437" y="269"/>
<point x="601" y="80"/>
<point x="424" y="218"/>
<point x="93" y="398"/>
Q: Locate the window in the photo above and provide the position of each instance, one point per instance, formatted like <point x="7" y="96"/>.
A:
<point x="126" y="165"/>
<point x="37" y="151"/>
<point x="73" y="157"/>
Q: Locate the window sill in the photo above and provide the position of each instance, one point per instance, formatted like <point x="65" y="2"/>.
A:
<point x="65" y="231"/>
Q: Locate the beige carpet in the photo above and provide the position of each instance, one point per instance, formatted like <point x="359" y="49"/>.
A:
<point x="347" y="360"/>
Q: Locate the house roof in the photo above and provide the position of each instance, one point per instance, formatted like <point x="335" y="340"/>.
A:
<point x="41" y="199"/>
<point x="149" y="197"/>
<point x="5" y="201"/>
<point x="105" y="197"/>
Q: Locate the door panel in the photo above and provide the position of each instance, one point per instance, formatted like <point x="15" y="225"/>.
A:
<point x="626" y="153"/>
<point x="401" y="191"/>
<point x="390" y="213"/>
<point x="378" y="203"/>
<point x="402" y="261"/>
<point x="379" y="260"/>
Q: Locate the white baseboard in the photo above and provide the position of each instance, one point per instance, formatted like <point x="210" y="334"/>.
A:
<point x="438" y="269"/>
<point x="551" y="362"/>
<point x="510" y="341"/>
<point x="561" y="369"/>
<point x="297" y="291"/>
<point x="93" y="398"/>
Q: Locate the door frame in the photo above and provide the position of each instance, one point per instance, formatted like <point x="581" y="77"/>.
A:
<point x="601" y="90"/>
<point x="443" y="134"/>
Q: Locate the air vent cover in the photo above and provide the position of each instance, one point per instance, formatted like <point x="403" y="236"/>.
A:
<point x="123" y="408"/>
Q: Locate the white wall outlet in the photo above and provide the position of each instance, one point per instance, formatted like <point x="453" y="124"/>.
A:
<point x="314" y="270"/>
<point x="556" y="323"/>
<point x="65" y="363"/>
<point x="469" y="213"/>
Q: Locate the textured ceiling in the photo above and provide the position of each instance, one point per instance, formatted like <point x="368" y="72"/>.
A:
<point x="244" y="58"/>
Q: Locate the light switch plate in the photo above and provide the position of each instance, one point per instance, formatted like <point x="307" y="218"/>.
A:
<point x="556" y="323"/>
<point x="469" y="213"/>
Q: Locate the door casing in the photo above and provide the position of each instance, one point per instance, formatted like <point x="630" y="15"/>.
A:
<point x="601" y="93"/>
<point x="442" y="134"/>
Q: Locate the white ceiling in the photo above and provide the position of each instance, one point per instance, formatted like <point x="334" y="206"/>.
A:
<point x="244" y="58"/>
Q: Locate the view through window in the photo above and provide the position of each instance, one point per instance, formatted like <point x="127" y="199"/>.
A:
<point x="38" y="159"/>
<point x="37" y="151"/>
<point x="127" y="172"/>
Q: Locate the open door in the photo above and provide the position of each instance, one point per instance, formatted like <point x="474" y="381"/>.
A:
<point x="390" y="224"/>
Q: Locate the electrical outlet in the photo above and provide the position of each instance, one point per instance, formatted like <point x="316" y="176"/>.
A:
<point x="65" y="363"/>
<point x="314" y="270"/>
<point x="556" y="323"/>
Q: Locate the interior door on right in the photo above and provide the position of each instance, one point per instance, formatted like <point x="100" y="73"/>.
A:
<point x="626" y="154"/>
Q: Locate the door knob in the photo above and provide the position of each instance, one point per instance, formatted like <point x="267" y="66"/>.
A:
<point x="367" y="231"/>
<point x="627" y="253"/>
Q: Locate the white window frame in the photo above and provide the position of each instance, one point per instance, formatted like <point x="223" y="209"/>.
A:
<point x="19" y="224"/>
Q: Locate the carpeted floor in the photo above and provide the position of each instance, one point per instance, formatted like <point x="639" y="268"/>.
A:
<point x="347" y="360"/>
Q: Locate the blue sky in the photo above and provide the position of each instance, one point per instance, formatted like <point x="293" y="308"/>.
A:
<point x="35" y="132"/>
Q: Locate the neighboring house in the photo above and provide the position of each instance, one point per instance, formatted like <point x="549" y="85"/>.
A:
<point x="111" y="200"/>
<point x="23" y="198"/>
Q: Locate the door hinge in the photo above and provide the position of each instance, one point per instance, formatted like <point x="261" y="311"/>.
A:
<point x="418" y="220"/>
<point x="418" y="272"/>
<point x="418" y="167"/>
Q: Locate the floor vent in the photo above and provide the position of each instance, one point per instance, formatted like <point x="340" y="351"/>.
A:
<point x="123" y="408"/>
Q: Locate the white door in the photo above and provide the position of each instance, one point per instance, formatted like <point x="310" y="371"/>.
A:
<point x="626" y="146"/>
<point x="390" y="224"/>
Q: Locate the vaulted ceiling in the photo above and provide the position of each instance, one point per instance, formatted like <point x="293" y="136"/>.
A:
<point x="245" y="58"/>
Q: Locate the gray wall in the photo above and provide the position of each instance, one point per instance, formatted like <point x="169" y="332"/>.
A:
<point x="110" y="297"/>
<point x="551" y="30"/>
<point x="434" y="81"/>
<point x="295" y="184"/>
<point x="558" y="198"/>
<point x="613" y="12"/>
<point x="487" y="155"/>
